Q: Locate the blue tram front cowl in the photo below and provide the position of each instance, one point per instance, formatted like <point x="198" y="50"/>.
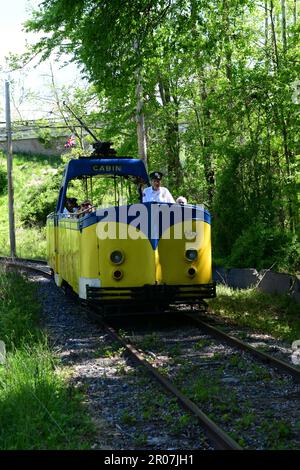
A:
<point x="129" y="252"/>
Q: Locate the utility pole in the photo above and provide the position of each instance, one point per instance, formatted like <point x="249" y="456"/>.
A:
<point x="11" y="216"/>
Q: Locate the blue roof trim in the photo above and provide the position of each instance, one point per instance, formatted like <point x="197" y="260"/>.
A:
<point x="114" y="214"/>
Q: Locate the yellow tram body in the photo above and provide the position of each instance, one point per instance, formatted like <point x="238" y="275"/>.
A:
<point x="152" y="269"/>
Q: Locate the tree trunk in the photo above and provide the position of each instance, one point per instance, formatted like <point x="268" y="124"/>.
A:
<point x="171" y="133"/>
<point x="140" y="120"/>
<point x="208" y="160"/>
<point x="274" y="39"/>
<point x="266" y="27"/>
<point x="283" y="26"/>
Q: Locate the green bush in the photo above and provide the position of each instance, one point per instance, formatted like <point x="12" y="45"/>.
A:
<point x="31" y="242"/>
<point x="3" y="180"/>
<point x="261" y="247"/>
<point x="39" y="201"/>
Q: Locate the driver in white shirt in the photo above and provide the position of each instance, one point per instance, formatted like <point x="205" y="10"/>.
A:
<point x="155" y="192"/>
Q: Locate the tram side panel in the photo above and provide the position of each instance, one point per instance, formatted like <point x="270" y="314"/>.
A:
<point x="88" y="268"/>
<point x="51" y="243"/>
<point x="68" y="252"/>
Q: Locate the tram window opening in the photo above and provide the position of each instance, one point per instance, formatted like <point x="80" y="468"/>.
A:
<point x="105" y="190"/>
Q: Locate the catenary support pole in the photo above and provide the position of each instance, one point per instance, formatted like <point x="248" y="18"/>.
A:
<point x="11" y="216"/>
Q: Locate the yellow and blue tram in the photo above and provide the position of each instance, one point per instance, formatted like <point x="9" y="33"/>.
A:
<point x="124" y="251"/>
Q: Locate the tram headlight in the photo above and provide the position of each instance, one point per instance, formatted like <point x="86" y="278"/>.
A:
<point x="118" y="274"/>
<point x="117" y="257"/>
<point x="192" y="272"/>
<point x="191" y="255"/>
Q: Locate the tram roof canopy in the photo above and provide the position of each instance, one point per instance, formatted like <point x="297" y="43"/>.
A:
<point x="100" y="166"/>
<point x="107" y="166"/>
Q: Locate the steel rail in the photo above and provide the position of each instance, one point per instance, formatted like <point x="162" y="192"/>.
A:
<point x="29" y="260"/>
<point x="262" y="356"/>
<point x="22" y="265"/>
<point x="216" y="435"/>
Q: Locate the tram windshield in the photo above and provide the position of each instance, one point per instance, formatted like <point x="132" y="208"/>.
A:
<point x="105" y="190"/>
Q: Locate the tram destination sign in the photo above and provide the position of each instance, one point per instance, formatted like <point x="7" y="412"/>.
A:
<point x="107" y="168"/>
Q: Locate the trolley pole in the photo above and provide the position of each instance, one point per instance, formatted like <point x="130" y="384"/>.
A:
<point x="11" y="216"/>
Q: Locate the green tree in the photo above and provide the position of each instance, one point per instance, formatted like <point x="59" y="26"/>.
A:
<point x="210" y="84"/>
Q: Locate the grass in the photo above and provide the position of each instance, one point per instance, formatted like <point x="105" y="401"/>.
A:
<point x="204" y="388"/>
<point x="19" y="311"/>
<point x="109" y="351"/>
<point x="151" y="341"/>
<point x="28" y="170"/>
<point x="38" y="409"/>
<point x="277" y="315"/>
<point x="278" y="433"/>
<point x="128" y="418"/>
<point x="158" y="407"/>
<point x="201" y="344"/>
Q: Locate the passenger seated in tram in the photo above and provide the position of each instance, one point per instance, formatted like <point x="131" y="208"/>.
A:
<point x="181" y="200"/>
<point x="71" y="206"/>
<point x="85" y="208"/>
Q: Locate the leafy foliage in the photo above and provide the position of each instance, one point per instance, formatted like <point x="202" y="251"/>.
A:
<point x="262" y="246"/>
<point x="32" y="173"/>
<point x="39" y="201"/>
<point x="3" y="180"/>
<point x="218" y="97"/>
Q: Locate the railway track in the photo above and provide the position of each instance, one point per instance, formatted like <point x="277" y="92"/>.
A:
<point x="235" y="375"/>
<point x="212" y="429"/>
<point x="23" y="260"/>
<point x="218" y="437"/>
<point x="263" y="357"/>
<point x="39" y="266"/>
<point x="195" y="315"/>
